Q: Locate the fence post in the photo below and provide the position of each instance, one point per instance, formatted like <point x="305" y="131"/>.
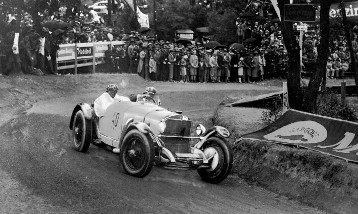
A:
<point x="94" y="58"/>
<point x="76" y="58"/>
<point x="343" y="93"/>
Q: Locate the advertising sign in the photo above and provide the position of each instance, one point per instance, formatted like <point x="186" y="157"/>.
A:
<point x="351" y="10"/>
<point x="66" y="52"/>
<point x="327" y="135"/>
<point x="300" y="13"/>
<point x="101" y="47"/>
<point x="84" y="52"/>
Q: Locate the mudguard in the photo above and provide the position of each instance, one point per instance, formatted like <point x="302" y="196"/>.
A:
<point x="219" y="131"/>
<point x="129" y="125"/>
<point x="86" y="109"/>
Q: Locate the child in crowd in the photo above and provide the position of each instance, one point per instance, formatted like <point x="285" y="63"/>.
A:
<point x="329" y="68"/>
<point x="183" y="68"/>
<point x="240" y="69"/>
<point x="336" y="67"/>
<point x="201" y="69"/>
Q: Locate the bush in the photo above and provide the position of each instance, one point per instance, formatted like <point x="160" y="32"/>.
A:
<point x="273" y="112"/>
<point x="328" y="104"/>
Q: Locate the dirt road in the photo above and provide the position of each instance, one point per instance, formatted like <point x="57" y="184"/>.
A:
<point x="42" y="173"/>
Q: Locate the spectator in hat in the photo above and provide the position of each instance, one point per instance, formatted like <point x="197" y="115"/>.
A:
<point x="201" y="68"/>
<point x="255" y="67"/>
<point x="262" y="64"/>
<point x="131" y="54"/>
<point x="193" y="66"/>
<point x="183" y="64"/>
<point x="152" y="68"/>
<point x="226" y="63"/>
<point x="240" y="70"/>
<point x="142" y="54"/>
<point x="213" y="67"/>
<point x="248" y="68"/>
<point x="233" y="66"/>
<point x="171" y="62"/>
<point x="207" y="56"/>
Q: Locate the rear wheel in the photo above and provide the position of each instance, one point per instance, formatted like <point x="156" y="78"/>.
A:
<point x="220" y="162"/>
<point x="137" y="154"/>
<point x="81" y="132"/>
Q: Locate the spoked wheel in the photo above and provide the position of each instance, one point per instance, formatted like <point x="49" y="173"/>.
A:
<point x="137" y="154"/>
<point x="220" y="162"/>
<point x="81" y="132"/>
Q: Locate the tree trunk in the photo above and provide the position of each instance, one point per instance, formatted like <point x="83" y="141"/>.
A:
<point x="294" y="70"/>
<point x="349" y="42"/>
<point x="311" y="94"/>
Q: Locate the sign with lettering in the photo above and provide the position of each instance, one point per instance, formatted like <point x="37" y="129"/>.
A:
<point x="351" y="10"/>
<point x="300" y="13"/>
<point x="101" y="48"/>
<point x="84" y="51"/>
<point x="302" y="27"/>
<point x="66" y="52"/>
<point x="331" y="136"/>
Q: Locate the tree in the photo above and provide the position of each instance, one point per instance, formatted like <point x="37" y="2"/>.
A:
<point x="310" y="97"/>
<point x="294" y="71"/>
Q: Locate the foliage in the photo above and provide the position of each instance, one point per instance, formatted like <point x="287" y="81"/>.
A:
<point x="223" y="26"/>
<point x="173" y="15"/>
<point x="127" y="21"/>
<point x="273" y="111"/>
<point x="328" y="104"/>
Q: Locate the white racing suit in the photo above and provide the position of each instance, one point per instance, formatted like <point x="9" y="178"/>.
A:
<point x="105" y="100"/>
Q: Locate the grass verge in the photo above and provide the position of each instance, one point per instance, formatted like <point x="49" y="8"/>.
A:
<point x="310" y="177"/>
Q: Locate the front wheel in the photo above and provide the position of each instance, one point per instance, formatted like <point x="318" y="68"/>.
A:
<point x="137" y="154"/>
<point x="81" y="132"/>
<point x="220" y="163"/>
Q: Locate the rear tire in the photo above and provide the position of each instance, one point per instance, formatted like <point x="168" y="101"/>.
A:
<point x="137" y="154"/>
<point x="220" y="163"/>
<point x="81" y="132"/>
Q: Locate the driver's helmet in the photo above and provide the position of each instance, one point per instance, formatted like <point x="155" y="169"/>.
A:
<point x="150" y="91"/>
<point x="112" y="87"/>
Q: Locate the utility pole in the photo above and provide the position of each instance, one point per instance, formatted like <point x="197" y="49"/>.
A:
<point x="155" y="16"/>
<point x="109" y="9"/>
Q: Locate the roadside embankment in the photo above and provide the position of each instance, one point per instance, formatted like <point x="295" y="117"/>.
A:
<point x="312" y="178"/>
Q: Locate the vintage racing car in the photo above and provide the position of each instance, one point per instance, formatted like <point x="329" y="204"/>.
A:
<point x="144" y="133"/>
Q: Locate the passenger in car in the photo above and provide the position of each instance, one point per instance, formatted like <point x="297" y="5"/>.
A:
<point x="106" y="99"/>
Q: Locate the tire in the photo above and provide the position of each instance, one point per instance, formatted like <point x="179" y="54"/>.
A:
<point x="137" y="154"/>
<point x="81" y="132"/>
<point x="221" y="163"/>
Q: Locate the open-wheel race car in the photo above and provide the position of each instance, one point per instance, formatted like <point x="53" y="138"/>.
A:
<point x="145" y="134"/>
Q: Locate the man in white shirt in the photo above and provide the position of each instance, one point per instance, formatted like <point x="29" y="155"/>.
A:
<point x="106" y="99"/>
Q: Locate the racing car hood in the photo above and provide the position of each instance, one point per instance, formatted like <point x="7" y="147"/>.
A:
<point x="153" y="115"/>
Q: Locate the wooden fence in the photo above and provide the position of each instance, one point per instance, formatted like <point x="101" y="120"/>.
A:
<point x="83" y="54"/>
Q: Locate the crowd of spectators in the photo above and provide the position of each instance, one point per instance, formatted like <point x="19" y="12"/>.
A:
<point x="260" y="55"/>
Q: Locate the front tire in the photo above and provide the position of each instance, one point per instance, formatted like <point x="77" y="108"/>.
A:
<point x="220" y="163"/>
<point x="81" y="132"/>
<point x="137" y="154"/>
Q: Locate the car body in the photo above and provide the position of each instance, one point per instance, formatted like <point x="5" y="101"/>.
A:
<point x="144" y="133"/>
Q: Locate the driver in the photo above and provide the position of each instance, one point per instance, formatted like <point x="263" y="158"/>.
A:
<point x="148" y="94"/>
<point x="106" y="99"/>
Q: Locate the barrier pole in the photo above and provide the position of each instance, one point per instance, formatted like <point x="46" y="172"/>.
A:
<point x="94" y="58"/>
<point x="343" y="93"/>
<point x="76" y="58"/>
